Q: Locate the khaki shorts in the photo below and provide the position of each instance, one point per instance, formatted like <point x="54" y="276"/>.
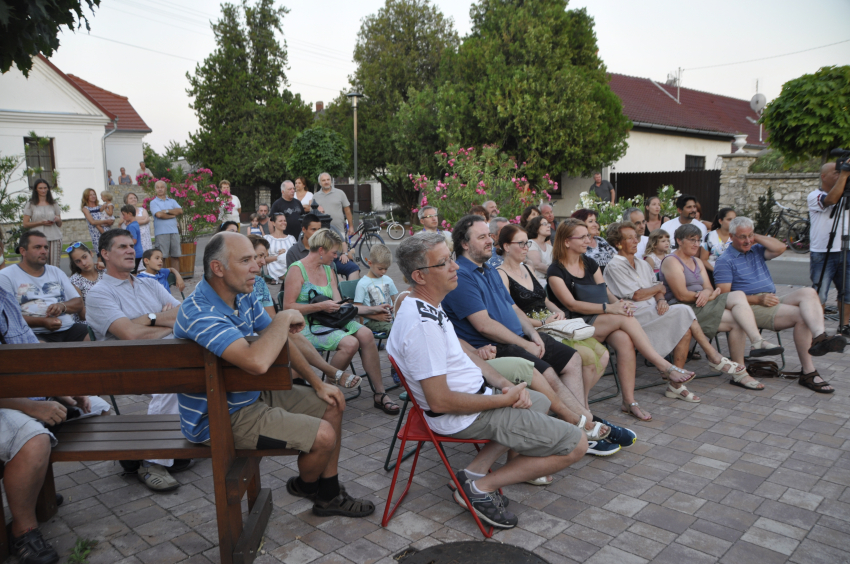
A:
<point x="765" y="316"/>
<point x="169" y="244"/>
<point x="529" y="432"/>
<point x="279" y="419"/>
<point x="514" y="369"/>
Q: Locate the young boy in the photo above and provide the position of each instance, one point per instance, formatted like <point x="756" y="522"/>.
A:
<point x="255" y="226"/>
<point x="128" y="213"/>
<point x="376" y="288"/>
<point x="152" y="262"/>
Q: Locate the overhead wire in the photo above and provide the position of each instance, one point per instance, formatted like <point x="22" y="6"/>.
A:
<point x="766" y="58"/>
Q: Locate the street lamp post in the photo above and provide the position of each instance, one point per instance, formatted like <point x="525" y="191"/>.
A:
<point x="356" y="208"/>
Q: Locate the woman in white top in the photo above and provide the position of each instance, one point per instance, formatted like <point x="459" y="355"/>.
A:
<point x="718" y="239"/>
<point x="142" y="218"/>
<point x="301" y="193"/>
<point x="279" y="244"/>
<point x="43" y="213"/>
<point x="540" y="249"/>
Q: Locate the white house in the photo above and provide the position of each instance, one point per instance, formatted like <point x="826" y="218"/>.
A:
<point x="90" y="129"/>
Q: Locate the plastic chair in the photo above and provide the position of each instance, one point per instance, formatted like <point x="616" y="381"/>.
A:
<point x="111" y="397"/>
<point x="172" y="281"/>
<point x="416" y="429"/>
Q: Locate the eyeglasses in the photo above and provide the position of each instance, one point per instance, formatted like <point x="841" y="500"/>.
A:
<point x="694" y="240"/>
<point x="585" y="236"/>
<point x="76" y="245"/>
<point x="428" y="216"/>
<point x="441" y="265"/>
<point x="526" y="244"/>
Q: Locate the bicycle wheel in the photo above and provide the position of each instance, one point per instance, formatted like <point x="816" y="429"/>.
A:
<point x="798" y="236"/>
<point x="369" y="241"/>
<point x="773" y="229"/>
<point x="395" y="231"/>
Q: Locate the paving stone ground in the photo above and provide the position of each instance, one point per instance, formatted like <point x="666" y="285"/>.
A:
<point x="742" y="477"/>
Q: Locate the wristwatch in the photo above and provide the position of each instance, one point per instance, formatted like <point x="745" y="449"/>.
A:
<point x="152" y="317"/>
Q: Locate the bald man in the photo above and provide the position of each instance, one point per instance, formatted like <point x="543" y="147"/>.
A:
<point x="821" y="202"/>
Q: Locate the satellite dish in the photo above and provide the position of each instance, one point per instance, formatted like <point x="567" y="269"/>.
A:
<point x="758" y="103"/>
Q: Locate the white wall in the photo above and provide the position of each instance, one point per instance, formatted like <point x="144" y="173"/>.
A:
<point x="658" y="152"/>
<point x="47" y="104"/>
<point x="124" y="149"/>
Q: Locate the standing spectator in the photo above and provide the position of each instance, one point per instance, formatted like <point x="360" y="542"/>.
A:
<point x="128" y="213"/>
<point x="43" y="213"/>
<point x="165" y="212"/>
<point x="603" y="189"/>
<point x="84" y="273"/>
<point x="279" y="244"/>
<point x="654" y="219"/>
<point x="335" y="203"/>
<point x="636" y="217"/>
<point x="143" y="170"/>
<point x="109" y="178"/>
<point x="235" y="204"/>
<point x="492" y="209"/>
<point x="47" y="298"/>
<point x="598" y="248"/>
<point x="539" y="248"/>
<point x="263" y="219"/>
<point x="97" y="220"/>
<point x="528" y="214"/>
<point x="302" y="195"/>
<point x="309" y="225"/>
<point x="820" y="204"/>
<point x="547" y="211"/>
<point x="290" y="207"/>
<point x="718" y="238"/>
<point x="125" y="178"/>
<point x="142" y="218"/>
<point x="687" y="206"/>
<point x="496" y="224"/>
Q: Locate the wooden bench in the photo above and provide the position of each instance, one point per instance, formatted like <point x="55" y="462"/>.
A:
<point x="145" y="367"/>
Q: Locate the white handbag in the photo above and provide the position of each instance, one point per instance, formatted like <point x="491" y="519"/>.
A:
<point x="574" y="329"/>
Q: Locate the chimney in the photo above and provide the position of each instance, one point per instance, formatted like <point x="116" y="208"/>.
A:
<point x="320" y="106"/>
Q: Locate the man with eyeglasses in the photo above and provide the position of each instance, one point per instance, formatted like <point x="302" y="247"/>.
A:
<point x="743" y="267"/>
<point x="429" y="218"/>
<point x="636" y="216"/>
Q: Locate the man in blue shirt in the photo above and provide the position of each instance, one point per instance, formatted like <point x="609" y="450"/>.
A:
<point x="743" y="267"/>
<point x="219" y="314"/>
<point x="165" y="212"/>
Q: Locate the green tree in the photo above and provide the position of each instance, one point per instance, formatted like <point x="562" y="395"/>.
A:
<point x="12" y="199"/>
<point x="315" y="151"/>
<point x="399" y="53"/>
<point x="528" y="79"/>
<point x="174" y="151"/>
<point x="30" y="27"/>
<point x="811" y="115"/>
<point x="246" y="114"/>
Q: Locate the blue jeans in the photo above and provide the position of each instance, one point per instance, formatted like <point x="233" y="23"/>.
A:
<point x="833" y="274"/>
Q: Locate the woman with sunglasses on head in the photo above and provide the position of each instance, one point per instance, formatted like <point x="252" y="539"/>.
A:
<point x="44" y="214"/>
<point x="85" y="273"/>
<point x="612" y="318"/>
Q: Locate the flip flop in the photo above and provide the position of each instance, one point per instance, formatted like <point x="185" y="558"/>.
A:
<point x="632" y="413"/>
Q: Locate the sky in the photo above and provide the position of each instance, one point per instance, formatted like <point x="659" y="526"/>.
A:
<point x="650" y="39"/>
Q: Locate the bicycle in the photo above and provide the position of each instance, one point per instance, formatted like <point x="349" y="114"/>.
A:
<point x="367" y="236"/>
<point x="394" y="229"/>
<point x="795" y="230"/>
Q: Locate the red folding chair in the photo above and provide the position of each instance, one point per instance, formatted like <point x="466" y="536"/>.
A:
<point x="416" y="429"/>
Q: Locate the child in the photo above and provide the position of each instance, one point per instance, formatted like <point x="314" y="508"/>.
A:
<point x="255" y="226"/>
<point x="128" y="214"/>
<point x="152" y="261"/>
<point x="657" y="247"/>
<point x="108" y="209"/>
<point x="279" y="244"/>
<point x="376" y="288"/>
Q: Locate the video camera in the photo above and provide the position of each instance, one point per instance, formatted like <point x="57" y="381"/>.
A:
<point x="842" y="156"/>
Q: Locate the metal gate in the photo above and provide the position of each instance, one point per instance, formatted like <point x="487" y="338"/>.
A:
<point x="704" y="185"/>
<point x="365" y="193"/>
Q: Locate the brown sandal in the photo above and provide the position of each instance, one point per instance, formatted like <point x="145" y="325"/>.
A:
<point x="343" y="505"/>
<point x="808" y="380"/>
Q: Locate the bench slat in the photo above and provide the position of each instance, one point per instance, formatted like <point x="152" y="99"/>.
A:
<point x="113" y="435"/>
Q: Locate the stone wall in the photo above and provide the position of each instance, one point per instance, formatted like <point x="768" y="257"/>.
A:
<point x="740" y="189"/>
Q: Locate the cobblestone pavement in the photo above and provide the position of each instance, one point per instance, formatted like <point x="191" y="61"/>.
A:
<point x="742" y="477"/>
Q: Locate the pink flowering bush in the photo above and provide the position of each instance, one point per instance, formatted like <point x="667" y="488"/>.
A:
<point x="471" y="177"/>
<point x="199" y="197"/>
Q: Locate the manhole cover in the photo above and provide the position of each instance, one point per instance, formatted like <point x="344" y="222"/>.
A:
<point x="473" y="552"/>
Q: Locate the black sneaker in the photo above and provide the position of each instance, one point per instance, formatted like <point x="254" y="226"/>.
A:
<point x="602" y="448"/>
<point x="31" y="549"/>
<point x="845" y="330"/>
<point x="618" y="435"/>
<point x="488" y="507"/>
<point x="463" y="478"/>
<point x="823" y="344"/>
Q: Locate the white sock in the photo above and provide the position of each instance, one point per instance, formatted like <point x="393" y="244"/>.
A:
<point x="473" y="475"/>
<point x="475" y="489"/>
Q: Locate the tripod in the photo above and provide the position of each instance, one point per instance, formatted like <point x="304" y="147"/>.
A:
<point x="838" y="219"/>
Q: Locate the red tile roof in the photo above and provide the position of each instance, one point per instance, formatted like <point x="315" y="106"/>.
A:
<point x="128" y="118"/>
<point x="645" y="103"/>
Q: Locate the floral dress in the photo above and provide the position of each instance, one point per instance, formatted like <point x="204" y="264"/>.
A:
<point x="83" y="284"/>
<point x="95" y="234"/>
<point x="602" y="254"/>
<point x="326" y="341"/>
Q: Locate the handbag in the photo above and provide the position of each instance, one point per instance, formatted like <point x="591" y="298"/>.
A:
<point x="332" y="320"/>
<point x="573" y="329"/>
<point x="591" y="293"/>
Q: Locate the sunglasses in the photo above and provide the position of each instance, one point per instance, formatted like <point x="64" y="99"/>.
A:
<point x="76" y="245"/>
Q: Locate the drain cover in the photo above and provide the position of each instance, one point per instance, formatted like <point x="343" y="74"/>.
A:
<point x="473" y="552"/>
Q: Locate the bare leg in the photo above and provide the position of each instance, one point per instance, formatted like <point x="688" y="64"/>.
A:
<point x="606" y="324"/>
<point x="522" y="468"/>
<point x="345" y="351"/>
<point x="626" y="364"/>
<point x="737" y="341"/>
<point x="369" y="355"/>
<point x="741" y="311"/>
<point x="807" y="301"/>
<point x="680" y="357"/>
<point x="23" y="478"/>
<point x="792" y="316"/>
<point x="313" y="357"/>
<point x="590" y="376"/>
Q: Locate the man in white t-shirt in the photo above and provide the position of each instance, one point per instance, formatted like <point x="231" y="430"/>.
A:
<point x="821" y="203"/>
<point x="636" y="216"/>
<point x="687" y="206"/>
<point x="456" y="398"/>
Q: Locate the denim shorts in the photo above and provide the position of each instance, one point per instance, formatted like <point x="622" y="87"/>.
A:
<point x="16" y="429"/>
<point x="833" y="274"/>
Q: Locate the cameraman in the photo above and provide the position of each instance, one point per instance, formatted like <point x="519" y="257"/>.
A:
<point x="821" y="202"/>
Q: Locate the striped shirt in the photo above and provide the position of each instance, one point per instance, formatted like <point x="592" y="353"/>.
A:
<point x="207" y="320"/>
<point x="746" y="271"/>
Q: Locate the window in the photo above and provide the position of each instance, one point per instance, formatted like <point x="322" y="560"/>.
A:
<point x="39" y="158"/>
<point x="693" y="162"/>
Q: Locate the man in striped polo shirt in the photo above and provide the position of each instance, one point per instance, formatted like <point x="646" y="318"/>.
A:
<point x="743" y="267"/>
<point x="219" y="314"/>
